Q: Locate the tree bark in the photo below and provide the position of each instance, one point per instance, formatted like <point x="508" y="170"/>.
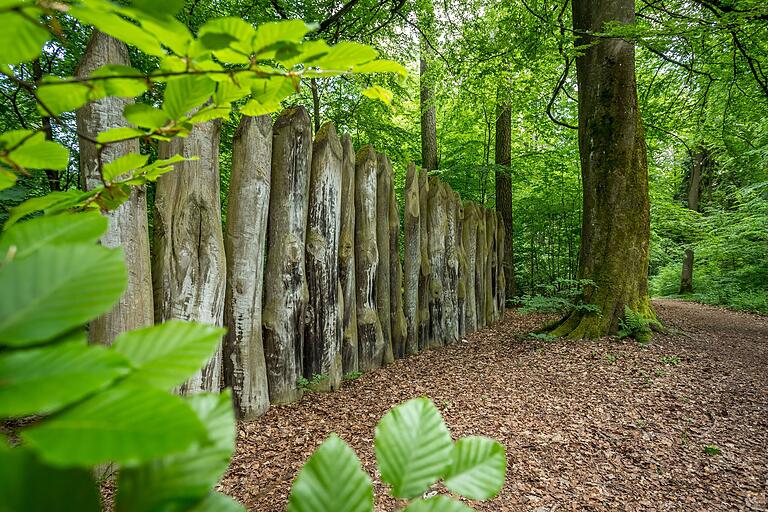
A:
<point x="698" y="163"/>
<point x="383" y="297"/>
<point x="369" y="335"/>
<point x="451" y="276"/>
<point x="189" y="266"/>
<point x="490" y="266"/>
<point x="504" y="191"/>
<point x="461" y="290"/>
<point x="347" y="258"/>
<point x="469" y="241"/>
<point x="437" y="261"/>
<point x="501" y="288"/>
<point x="425" y="271"/>
<point x="285" y="285"/>
<point x="128" y="226"/>
<point x="245" y="369"/>
<point x="427" y="92"/>
<point x="480" y="266"/>
<point x="412" y="260"/>
<point x="396" y="279"/>
<point x="322" y="333"/>
<point x="616" y="220"/>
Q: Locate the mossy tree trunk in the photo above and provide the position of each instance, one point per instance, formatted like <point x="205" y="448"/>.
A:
<point x="451" y="276"/>
<point x="437" y="261"/>
<point x="285" y="285"/>
<point x="245" y="369"/>
<point x="698" y="164"/>
<point x="347" y="258"/>
<point x="369" y="336"/>
<point x="128" y="226"/>
<point x="322" y="333"/>
<point x="425" y="272"/>
<point x="412" y="260"/>
<point x="189" y="267"/>
<point x="616" y="220"/>
<point x="383" y="276"/>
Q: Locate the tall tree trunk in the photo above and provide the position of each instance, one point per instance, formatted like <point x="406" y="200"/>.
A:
<point x="425" y="270"/>
<point x="504" y="190"/>
<point x="412" y="260"/>
<point x="396" y="279"/>
<point x="189" y="266"/>
<point x="245" y="369"/>
<point x="437" y="261"/>
<point x="501" y="289"/>
<point x="616" y="224"/>
<point x="469" y="241"/>
<point x="128" y="223"/>
<point x="427" y="91"/>
<point x="369" y="336"/>
<point x="698" y="163"/>
<point x="451" y="282"/>
<point x="322" y="334"/>
<point x="285" y="285"/>
<point x="347" y="258"/>
<point x="383" y="276"/>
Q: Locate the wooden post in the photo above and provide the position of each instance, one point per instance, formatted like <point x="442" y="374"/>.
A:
<point x="396" y="279"/>
<point x="490" y="265"/>
<point x="461" y="290"/>
<point x="347" y="258"/>
<point x="437" y="260"/>
<point x="501" y="289"/>
<point x="425" y="272"/>
<point x="469" y="241"/>
<point x="412" y="260"/>
<point x="128" y="223"/>
<point x="245" y="370"/>
<point x="369" y="336"/>
<point x="480" y="256"/>
<point x="189" y="266"/>
<point x="322" y="333"/>
<point x="383" y="188"/>
<point x="285" y="286"/>
<point x="451" y="277"/>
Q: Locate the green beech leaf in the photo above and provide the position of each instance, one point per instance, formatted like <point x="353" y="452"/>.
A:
<point x="332" y="480"/>
<point x="120" y="133"/>
<point x="21" y="39"/>
<point x="168" y="354"/>
<point x="47" y="202"/>
<point x="145" y="116"/>
<point x="269" y="36"/>
<point x="124" y="86"/>
<point x="438" y="504"/>
<point x="240" y="34"/>
<point x="380" y="66"/>
<point x="7" y="179"/>
<point x="31" y="150"/>
<point x="58" y="97"/>
<point x="34" y="234"/>
<point x="267" y="95"/>
<point x="124" y="424"/>
<point x="477" y="469"/>
<point x="38" y="381"/>
<point x="189" y="475"/>
<point x="378" y="93"/>
<point x="56" y="289"/>
<point x="117" y="27"/>
<point x="413" y="447"/>
<point x="27" y="484"/>
<point x="344" y="55"/>
<point x="217" y="502"/>
<point x="182" y="94"/>
<point x="122" y="165"/>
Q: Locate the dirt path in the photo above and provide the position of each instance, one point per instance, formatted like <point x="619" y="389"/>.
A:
<point x="599" y="425"/>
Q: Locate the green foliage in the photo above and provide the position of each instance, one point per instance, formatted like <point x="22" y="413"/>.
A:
<point x="413" y="451"/>
<point x="352" y="375"/>
<point x="712" y="450"/>
<point x="670" y="360"/>
<point x="562" y="297"/>
<point x="634" y="325"/>
<point x="542" y="336"/>
<point x="311" y="384"/>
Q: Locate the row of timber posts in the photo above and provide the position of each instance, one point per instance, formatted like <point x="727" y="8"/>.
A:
<point x="307" y="275"/>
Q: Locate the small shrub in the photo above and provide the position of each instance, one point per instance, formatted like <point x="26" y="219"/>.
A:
<point x="352" y="375"/>
<point x="563" y="296"/>
<point x="611" y="358"/>
<point x="636" y="326"/>
<point x="670" y="360"/>
<point x="542" y="336"/>
<point x="712" y="450"/>
<point x="311" y="384"/>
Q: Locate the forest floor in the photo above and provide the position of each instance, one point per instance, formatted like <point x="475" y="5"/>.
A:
<point x="595" y="425"/>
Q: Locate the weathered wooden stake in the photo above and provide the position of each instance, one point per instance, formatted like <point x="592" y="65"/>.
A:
<point x="469" y="241"/>
<point x="396" y="279"/>
<point x="245" y="369"/>
<point x="451" y="277"/>
<point x="490" y="265"/>
<point x="285" y="286"/>
<point x="347" y="258"/>
<point x="128" y="223"/>
<point x="369" y="336"/>
<point x="189" y="266"/>
<point x="412" y="260"/>
<point x="480" y="257"/>
<point x="461" y="291"/>
<point x="425" y="272"/>
<point x="437" y="260"/>
<point x="383" y="276"/>
<point x="322" y="334"/>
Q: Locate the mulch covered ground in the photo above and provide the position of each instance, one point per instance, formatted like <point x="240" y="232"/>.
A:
<point x="589" y="425"/>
